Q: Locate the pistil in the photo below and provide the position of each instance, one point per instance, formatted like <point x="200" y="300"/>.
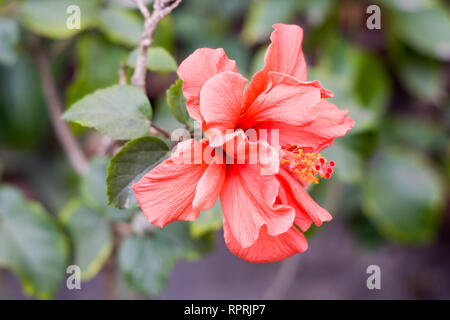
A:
<point x="307" y="166"/>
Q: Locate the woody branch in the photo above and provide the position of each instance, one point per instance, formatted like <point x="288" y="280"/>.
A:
<point x="68" y="142"/>
<point x="161" y="8"/>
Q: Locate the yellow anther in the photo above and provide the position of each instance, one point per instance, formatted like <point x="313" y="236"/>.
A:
<point x="308" y="166"/>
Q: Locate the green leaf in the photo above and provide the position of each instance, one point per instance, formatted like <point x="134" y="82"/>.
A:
<point x="129" y="165"/>
<point x="210" y="220"/>
<point x="49" y="17"/>
<point x="121" y="25"/>
<point x="365" y="143"/>
<point x="9" y="38"/>
<point x="158" y="59"/>
<point x="93" y="190"/>
<point x="422" y="78"/>
<point x="177" y="102"/>
<point x="417" y="132"/>
<point x="402" y="196"/>
<point x="263" y="14"/>
<point x="185" y="246"/>
<point x="338" y="57"/>
<point x="93" y="186"/>
<point x="164" y="35"/>
<point x="199" y="32"/>
<point x="120" y="112"/>
<point x="90" y="74"/>
<point x="373" y="92"/>
<point x="163" y="117"/>
<point x="427" y="30"/>
<point x="31" y="244"/>
<point x="91" y="237"/>
<point x="146" y="261"/>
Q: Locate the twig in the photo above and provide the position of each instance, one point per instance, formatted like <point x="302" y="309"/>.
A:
<point x="58" y="48"/>
<point x="283" y="279"/>
<point x="157" y="130"/>
<point x="122" y="74"/>
<point x="122" y="230"/>
<point x="110" y="276"/>
<point x="161" y="8"/>
<point x="105" y="146"/>
<point x="70" y="145"/>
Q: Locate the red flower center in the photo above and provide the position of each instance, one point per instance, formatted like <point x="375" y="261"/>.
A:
<point x="308" y="166"/>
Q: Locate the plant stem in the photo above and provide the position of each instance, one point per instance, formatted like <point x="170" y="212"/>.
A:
<point x="161" y="8"/>
<point x="156" y="129"/>
<point x="54" y="105"/>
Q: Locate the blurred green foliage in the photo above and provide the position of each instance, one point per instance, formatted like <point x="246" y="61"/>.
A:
<point x="392" y="170"/>
<point x="91" y="75"/>
<point x="32" y="245"/>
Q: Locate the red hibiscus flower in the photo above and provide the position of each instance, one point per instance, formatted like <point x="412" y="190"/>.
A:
<point x="264" y="214"/>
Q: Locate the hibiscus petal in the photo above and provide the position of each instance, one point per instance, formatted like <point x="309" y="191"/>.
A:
<point x="166" y="193"/>
<point x="277" y="77"/>
<point x="302" y="219"/>
<point x="286" y="101"/>
<point x="330" y="123"/>
<point x="196" y="69"/>
<point x="249" y="201"/>
<point x="284" y="55"/>
<point x="304" y="203"/>
<point x="221" y="100"/>
<point x="241" y="149"/>
<point x="208" y="187"/>
<point x="267" y="248"/>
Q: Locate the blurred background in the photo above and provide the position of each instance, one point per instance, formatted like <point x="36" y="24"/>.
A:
<point x="388" y="196"/>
